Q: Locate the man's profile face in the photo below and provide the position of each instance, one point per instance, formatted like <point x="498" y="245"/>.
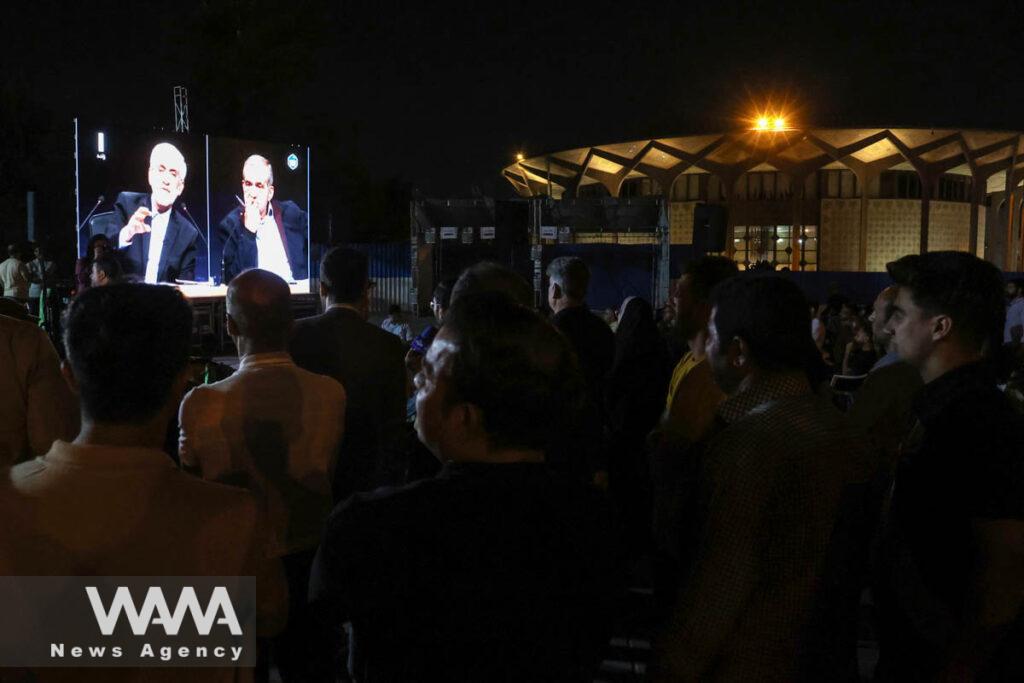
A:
<point x="166" y="177"/>
<point x="257" y="190"/>
<point x="911" y="328"/>
<point x="552" y="291"/>
<point x="432" y="386"/>
<point x="718" y="356"/>
<point x="97" y="278"/>
<point x="879" y="317"/>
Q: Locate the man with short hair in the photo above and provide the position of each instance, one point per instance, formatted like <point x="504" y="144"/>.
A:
<point x="111" y="503"/>
<point x="881" y="311"/>
<point x="36" y="406"/>
<point x="589" y="336"/>
<point x="264" y="232"/>
<point x="365" y="359"/>
<point x="106" y="270"/>
<point x="498" y="568"/>
<point x="775" y="474"/>
<point x="882" y="405"/>
<point x="14" y="275"/>
<point x="158" y="239"/>
<point x="583" y="453"/>
<point x="274" y="429"/>
<point x="698" y="397"/>
<point x="953" y="570"/>
<point x="488" y="276"/>
<point x="1013" y="330"/>
<point x="690" y="409"/>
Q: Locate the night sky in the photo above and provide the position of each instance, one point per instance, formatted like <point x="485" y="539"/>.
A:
<point x="440" y="98"/>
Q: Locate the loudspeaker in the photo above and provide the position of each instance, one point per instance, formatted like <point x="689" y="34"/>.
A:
<point x="709" y="228"/>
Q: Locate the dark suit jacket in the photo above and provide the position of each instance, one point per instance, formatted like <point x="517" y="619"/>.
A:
<point x="178" y="258"/>
<point x="240" y="244"/>
<point x="370" y="364"/>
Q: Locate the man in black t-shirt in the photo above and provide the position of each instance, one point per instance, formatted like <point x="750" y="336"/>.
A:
<point x="953" y="557"/>
<point x="498" y="569"/>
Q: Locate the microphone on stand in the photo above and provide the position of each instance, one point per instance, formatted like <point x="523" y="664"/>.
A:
<point x="99" y="200"/>
<point x="189" y="216"/>
<point x="184" y="208"/>
<point x="233" y="237"/>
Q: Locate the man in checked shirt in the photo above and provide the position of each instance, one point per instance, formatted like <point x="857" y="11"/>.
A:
<point x="773" y="477"/>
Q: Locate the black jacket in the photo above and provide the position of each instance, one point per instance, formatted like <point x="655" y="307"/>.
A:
<point x="240" y="244"/>
<point x="370" y="364"/>
<point x="178" y="258"/>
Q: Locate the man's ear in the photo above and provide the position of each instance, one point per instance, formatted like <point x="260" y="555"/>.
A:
<point x="69" y="376"/>
<point x="323" y="290"/>
<point x="231" y="325"/>
<point x="470" y="419"/>
<point x="942" y="327"/>
<point x="739" y="353"/>
<point x="556" y="291"/>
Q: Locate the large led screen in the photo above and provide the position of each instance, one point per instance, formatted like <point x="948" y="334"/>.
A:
<point x="193" y="210"/>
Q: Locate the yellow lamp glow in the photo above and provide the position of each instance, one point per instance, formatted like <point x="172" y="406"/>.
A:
<point x="762" y="123"/>
<point x="519" y="156"/>
<point x="780" y="123"/>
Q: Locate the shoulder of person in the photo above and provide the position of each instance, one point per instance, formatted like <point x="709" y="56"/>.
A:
<point x="308" y="325"/>
<point x="235" y="504"/>
<point x="290" y="210"/>
<point x="23" y="471"/>
<point x="388" y="496"/>
<point x="232" y="219"/>
<point x="197" y="395"/>
<point x="389" y="342"/>
<point x="131" y="199"/>
<point x="325" y="386"/>
<point x="26" y="337"/>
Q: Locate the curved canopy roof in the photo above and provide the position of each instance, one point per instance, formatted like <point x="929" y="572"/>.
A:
<point x="986" y="155"/>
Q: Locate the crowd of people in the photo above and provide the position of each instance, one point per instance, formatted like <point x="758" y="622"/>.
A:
<point x="471" y="503"/>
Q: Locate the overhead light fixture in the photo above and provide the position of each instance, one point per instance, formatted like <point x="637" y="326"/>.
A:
<point x="774" y="122"/>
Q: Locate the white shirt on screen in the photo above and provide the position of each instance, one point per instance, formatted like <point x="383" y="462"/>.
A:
<point x="270" y="249"/>
<point x="156" y="243"/>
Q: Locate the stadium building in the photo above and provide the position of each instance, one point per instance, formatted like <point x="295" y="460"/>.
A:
<point x="827" y="200"/>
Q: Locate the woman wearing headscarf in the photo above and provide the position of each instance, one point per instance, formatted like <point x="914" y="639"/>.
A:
<point x="635" y="397"/>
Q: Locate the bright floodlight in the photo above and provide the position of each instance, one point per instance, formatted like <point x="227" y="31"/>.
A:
<point x="780" y="123"/>
<point x="762" y="123"/>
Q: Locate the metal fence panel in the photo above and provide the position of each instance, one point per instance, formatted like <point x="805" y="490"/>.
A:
<point x="389" y="267"/>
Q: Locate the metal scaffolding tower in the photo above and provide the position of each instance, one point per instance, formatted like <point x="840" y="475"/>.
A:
<point x="180" y="109"/>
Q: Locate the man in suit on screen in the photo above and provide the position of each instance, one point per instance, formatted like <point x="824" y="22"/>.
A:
<point x="157" y="239"/>
<point x="264" y="232"/>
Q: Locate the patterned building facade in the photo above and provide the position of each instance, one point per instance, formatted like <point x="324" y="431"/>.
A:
<point x="835" y="200"/>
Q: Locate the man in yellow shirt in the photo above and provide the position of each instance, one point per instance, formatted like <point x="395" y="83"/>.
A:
<point x="689" y="415"/>
<point x="692" y="310"/>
